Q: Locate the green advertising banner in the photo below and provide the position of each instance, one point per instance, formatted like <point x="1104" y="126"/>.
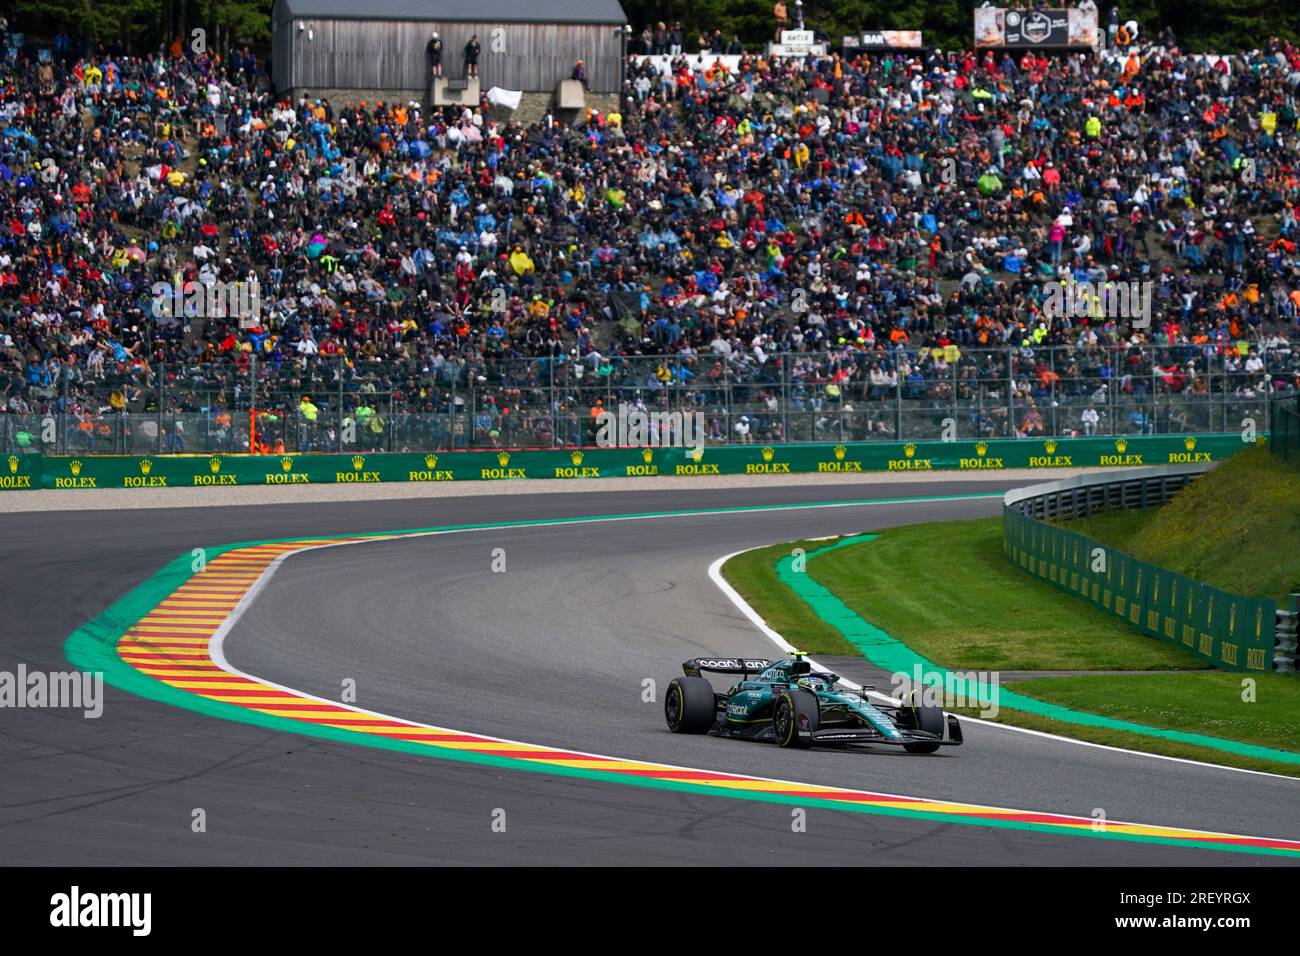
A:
<point x="172" y="471"/>
<point x="1230" y="631"/>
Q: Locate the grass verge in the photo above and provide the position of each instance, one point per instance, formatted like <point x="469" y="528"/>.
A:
<point x="947" y="591"/>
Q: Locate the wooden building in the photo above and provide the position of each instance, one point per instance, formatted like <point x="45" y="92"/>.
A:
<point x="378" y="46"/>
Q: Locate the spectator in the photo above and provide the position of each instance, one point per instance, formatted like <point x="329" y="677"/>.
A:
<point x="472" y="49"/>
<point x="433" y="52"/>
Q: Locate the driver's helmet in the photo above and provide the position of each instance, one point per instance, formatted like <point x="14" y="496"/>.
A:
<point x="814" y="683"/>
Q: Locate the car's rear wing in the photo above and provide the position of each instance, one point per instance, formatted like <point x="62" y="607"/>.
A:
<point x="725" y="665"/>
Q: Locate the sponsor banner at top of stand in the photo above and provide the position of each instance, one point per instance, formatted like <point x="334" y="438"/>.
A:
<point x="1040" y="27"/>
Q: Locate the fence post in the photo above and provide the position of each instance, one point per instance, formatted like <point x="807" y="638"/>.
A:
<point x="1112" y="393"/>
<point x="1011" y="404"/>
<point x="898" y="393"/>
<point x="338" y="407"/>
<point x="61" y="438"/>
<point x="955" y="412"/>
<point x="1056" y="411"/>
<point x="1268" y="396"/>
<point x="840" y="398"/>
<point x="162" y="377"/>
<point x="1155" y="397"/>
<point x="726" y="388"/>
<point x="1209" y="394"/>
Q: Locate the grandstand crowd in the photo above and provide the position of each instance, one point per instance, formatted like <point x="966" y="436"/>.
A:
<point x="895" y="216"/>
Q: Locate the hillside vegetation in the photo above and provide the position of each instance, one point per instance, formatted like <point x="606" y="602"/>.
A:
<point x="1237" y="528"/>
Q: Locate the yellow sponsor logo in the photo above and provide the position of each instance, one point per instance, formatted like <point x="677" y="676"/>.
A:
<point x="203" y="481"/>
<point x="74" y="466"/>
<point x="768" y="468"/>
<point x="286" y="463"/>
<point x="1187" y="458"/>
<point x="430" y="475"/>
<point x="1120" y="460"/>
<point x="642" y="471"/>
<point x="144" y="481"/>
<point x="914" y="464"/>
<point x="146" y="466"/>
<point x="493" y="473"/>
<point x="13" y="464"/>
<point x="980" y="464"/>
<point x="697" y="469"/>
<point x="431" y="461"/>
<point x="292" y="479"/>
<point x="503" y="458"/>
<point x="839" y="466"/>
<point x="11" y="482"/>
<point x="576" y="457"/>
<point x="358" y="462"/>
<point x="840" y="452"/>
<point x="87" y="482"/>
<point x="356" y="477"/>
<point x="214" y="464"/>
<point x="768" y="453"/>
<point x="648" y="455"/>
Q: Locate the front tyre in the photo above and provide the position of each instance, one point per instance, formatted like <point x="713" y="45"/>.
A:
<point x="930" y="720"/>
<point x="795" y="716"/>
<point x="689" y="706"/>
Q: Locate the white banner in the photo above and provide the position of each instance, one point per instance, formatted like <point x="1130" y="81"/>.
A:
<point x="508" y="98"/>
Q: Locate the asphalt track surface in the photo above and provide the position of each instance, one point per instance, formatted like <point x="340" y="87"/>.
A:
<point x="553" y="651"/>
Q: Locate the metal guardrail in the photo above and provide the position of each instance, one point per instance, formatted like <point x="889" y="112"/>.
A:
<point x="1214" y="624"/>
<point x="1084" y="495"/>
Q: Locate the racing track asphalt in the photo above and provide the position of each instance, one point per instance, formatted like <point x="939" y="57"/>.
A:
<point x="553" y="651"/>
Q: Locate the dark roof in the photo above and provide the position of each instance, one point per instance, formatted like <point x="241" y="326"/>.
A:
<point x="473" y="11"/>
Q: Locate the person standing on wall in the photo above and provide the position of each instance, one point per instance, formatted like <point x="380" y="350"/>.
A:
<point x="433" y="51"/>
<point x="433" y="54"/>
<point x="782" y="18"/>
<point x="472" y="49"/>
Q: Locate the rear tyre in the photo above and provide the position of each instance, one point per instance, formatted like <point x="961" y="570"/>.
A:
<point x="689" y="706"/>
<point x="795" y="710"/>
<point x="930" y="720"/>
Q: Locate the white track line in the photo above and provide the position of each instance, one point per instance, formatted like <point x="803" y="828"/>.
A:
<point x="715" y="573"/>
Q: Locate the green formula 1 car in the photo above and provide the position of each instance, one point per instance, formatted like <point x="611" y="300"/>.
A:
<point x="789" y="703"/>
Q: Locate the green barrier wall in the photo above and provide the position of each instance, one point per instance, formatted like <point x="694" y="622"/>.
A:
<point x="1231" y="631"/>
<point x="33" y="471"/>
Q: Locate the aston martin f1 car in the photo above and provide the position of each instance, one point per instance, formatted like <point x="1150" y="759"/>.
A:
<point x="789" y="703"/>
